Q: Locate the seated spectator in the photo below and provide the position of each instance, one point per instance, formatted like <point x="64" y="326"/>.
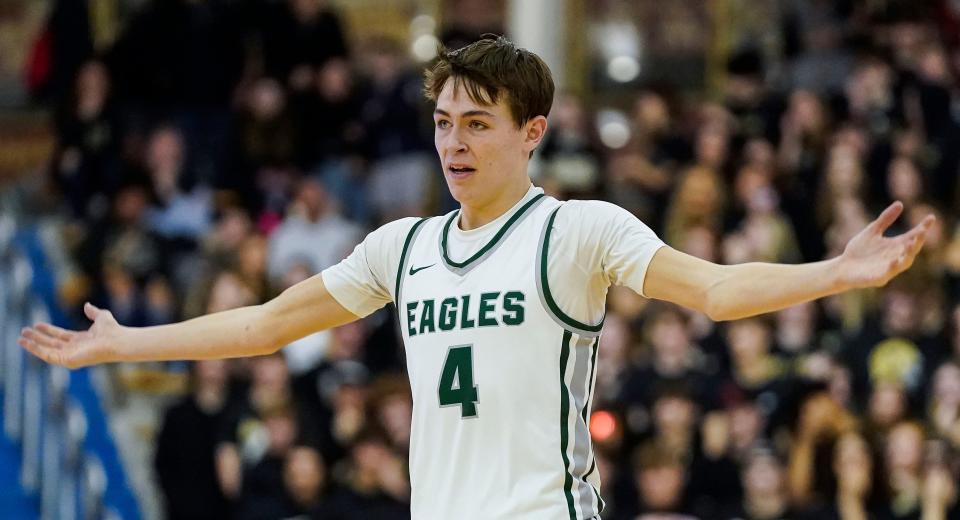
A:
<point x="86" y="162"/>
<point x="258" y="431"/>
<point x="180" y="209"/>
<point x="765" y="494"/>
<point x="184" y="460"/>
<point x="313" y="231"/>
<point x="660" y="477"/>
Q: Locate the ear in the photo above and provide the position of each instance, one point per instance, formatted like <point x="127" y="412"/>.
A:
<point x="534" y="131"/>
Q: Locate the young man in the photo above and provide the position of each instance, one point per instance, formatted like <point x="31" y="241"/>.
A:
<point x="500" y="303"/>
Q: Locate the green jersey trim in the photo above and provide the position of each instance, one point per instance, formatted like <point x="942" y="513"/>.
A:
<point x="564" y="425"/>
<point x="543" y="287"/>
<point x="462" y="268"/>
<point x="411" y="237"/>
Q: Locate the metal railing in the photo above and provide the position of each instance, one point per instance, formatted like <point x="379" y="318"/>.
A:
<point x="39" y="414"/>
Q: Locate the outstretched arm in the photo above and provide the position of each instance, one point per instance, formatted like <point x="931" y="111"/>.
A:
<point x="728" y="292"/>
<point x="305" y="308"/>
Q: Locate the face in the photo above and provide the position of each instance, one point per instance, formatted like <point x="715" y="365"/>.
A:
<point x="661" y="487"/>
<point x="481" y="149"/>
<point x="763" y="475"/>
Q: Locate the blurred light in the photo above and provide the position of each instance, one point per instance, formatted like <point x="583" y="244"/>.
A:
<point x="602" y="425"/>
<point x="424" y="47"/>
<point x="623" y="68"/>
<point x="613" y="127"/>
<point x="422" y="24"/>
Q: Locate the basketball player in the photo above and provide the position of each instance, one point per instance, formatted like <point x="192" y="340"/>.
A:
<point x="500" y="303"/>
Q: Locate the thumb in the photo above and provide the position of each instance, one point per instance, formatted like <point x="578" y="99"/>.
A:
<point x="91" y="311"/>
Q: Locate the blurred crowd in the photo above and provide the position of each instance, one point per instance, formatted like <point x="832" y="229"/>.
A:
<point x="220" y="152"/>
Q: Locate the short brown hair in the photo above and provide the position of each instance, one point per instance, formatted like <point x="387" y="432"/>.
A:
<point x="493" y="67"/>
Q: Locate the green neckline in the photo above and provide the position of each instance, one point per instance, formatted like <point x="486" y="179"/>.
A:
<point x="489" y="245"/>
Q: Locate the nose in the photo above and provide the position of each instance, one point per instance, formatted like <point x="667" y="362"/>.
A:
<point x="454" y="141"/>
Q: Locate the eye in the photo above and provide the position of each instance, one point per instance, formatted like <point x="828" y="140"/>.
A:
<point x="443" y="124"/>
<point x="477" y="125"/>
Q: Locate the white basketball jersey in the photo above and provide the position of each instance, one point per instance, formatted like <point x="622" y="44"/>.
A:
<point x="502" y="379"/>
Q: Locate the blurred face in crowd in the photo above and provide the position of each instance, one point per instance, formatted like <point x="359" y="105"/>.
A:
<point x="484" y="153"/>
<point x="674" y="415"/>
<point x="334" y="80"/>
<point x="746" y="424"/>
<point x="394" y="413"/>
<point x="267" y="99"/>
<point x="348" y="340"/>
<point x="844" y="171"/>
<point x="701" y="242"/>
<point x="946" y="384"/>
<point x="806" y="112"/>
<point x="662" y="486"/>
<point x="698" y="194"/>
<point x="281" y="432"/>
<point x="270" y="374"/>
<point x="748" y="183"/>
<point x="304" y="474"/>
<point x="869" y="88"/>
<point x="900" y="313"/>
<point x="749" y="340"/>
<point x="795" y="326"/>
<point x="211" y="372"/>
<point x="165" y="156"/>
<point x="839" y="386"/>
<point x="130" y="205"/>
<point x="311" y="201"/>
<point x="232" y="228"/>
<point x="933" y="65"/>
<point x="903" y="181"/>
<point x="93" y="85"/>
<point x="670" y="341"/>
<point x="228" y="292"/>
<point x="887" y="404"/>
<point x="253" y="256"/>
<point x="651" y="114"/>
<point x="711" y="146"/>
<point x="852" y="463"/>
<point x="904" y="448"/>
<point x="568" y="114"/>
<point x="763" y="475"/>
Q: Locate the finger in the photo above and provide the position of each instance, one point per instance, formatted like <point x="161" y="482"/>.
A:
<point x="42" y="339"/>
<point x="56" y="332"/>
<point x="48" y="355"/>
<point x="91" y="311"/>
<point x="910" y="252"/>
<point x="921" y="228"/>
<point x="888" y="217"/>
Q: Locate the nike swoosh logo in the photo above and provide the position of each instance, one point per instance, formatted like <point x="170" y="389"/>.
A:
<point x="418" y="269"/>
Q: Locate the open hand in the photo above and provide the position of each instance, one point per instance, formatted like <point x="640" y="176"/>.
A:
<point x="73" y="349"/>
<point x="871" y="259"/>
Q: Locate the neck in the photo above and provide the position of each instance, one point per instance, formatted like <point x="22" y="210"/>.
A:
<point x="472" y="217"/>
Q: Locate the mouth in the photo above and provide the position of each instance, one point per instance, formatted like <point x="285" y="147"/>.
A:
<point x="459" y="171"/>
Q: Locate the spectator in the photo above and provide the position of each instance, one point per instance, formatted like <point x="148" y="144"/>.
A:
<point x="312" y="221"/>
<point x="184" y="459"/>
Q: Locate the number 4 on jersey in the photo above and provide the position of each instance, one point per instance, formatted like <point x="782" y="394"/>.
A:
<point x="456" y="381"/>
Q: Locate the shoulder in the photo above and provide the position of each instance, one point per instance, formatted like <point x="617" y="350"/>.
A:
<point x="393" y="234"/>
<point x="593" y="220"/>
<point x="589" y="211"/>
